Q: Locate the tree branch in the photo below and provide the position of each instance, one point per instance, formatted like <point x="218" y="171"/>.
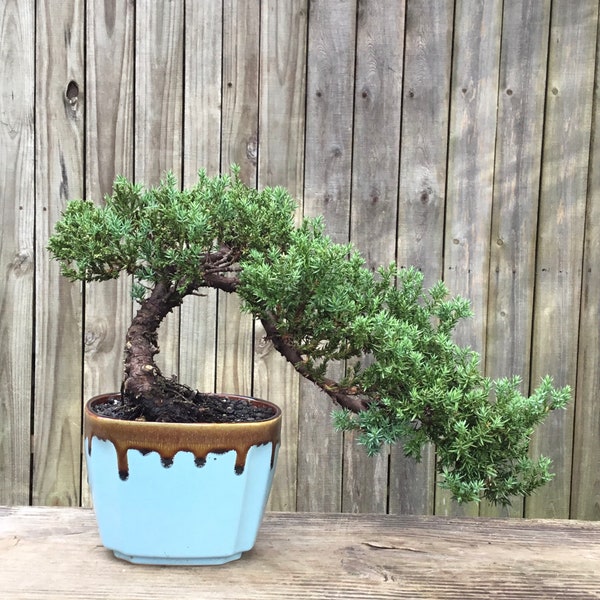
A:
<point x="345" y="398"/>
<point x="227" y="283"/>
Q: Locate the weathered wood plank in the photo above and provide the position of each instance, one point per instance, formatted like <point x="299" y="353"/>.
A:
<point x="525" y="31"/>
<point x="329" y="106"/>
<point x="374" y="211"/>
<point x="281" y="162"/>
<point x="239" y="145"/>
<point x="424" y="144"/>
<point x="58" y="305"/>
<point x="158" y="120"/>
<point x="471" y="159"/>
<point x="202" y="150"/>
<point x="585" y="483"/>
<point x="17" y="173"/>
<point x="283" y="45"/>
<point x="314" y="556"/>
<point x="327" y="188"/>
<point x="422" y="192"/>
<point x="377" y="115"/>
<point x="561" y="222"/>
<point x="473" y="100"/>
<point x="109" y="152"/>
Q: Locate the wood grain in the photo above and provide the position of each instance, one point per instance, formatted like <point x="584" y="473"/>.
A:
<point x="474" y="90"/>
<point x="159" y="40"/>
<point x="17" y="173"/>
<point x="374" y="210"/>
<point x="476" y="58"/>
<point x="585" y="484"/>
<point x="516" y="195"/>
<point x="109" y="152"/>
<point x="60" y="105"/>
<point x="560" y="234"/>
<point x="424" y="143"/>
<point x="314" y="556"/>
<point x="327" y="188"/>
<point x="422" y="197"/>
<point x="281" y="162"/>
<point x="239" y="145"/>
<point x="202" y="150"/>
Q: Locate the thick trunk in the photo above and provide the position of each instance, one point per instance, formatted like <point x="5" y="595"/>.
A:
<point x="144" y="386"/>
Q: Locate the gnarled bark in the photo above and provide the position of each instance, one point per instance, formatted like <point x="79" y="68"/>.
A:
<point x="144" y="386"/>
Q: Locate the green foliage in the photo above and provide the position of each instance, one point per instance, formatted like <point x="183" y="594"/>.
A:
<point x="163" y="234"/>
<point x="394" y="337"/>
<point x="421" y="386"/>
<point x="313" y="291"/>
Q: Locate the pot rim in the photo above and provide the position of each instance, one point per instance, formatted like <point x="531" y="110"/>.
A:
<point x="170" y="438"/>
<point x="99" y="398"/>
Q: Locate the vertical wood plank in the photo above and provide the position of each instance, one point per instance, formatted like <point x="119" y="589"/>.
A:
<point x="59" y="177"/>
<point x="239" y="145"/>
<point x="17" y="172"/>
<point x="569" y="96"/>
<point x="585" y="484"/>
<point x="202" y="149"/>
<point x="159" y="120"/>
<point x="109" y="152"/>
<point x="516" y="195"/>
<point x="377" y="115"/>
<point x="423" y="155"/>
<point x="281" y="162"/>
<point x="327" y="188"/>
<point x="473" y="100"/>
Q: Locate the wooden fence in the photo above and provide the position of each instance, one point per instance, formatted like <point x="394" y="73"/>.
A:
<point x="457" y="136"/>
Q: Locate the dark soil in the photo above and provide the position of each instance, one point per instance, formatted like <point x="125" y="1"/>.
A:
<point x="200" y="408"/>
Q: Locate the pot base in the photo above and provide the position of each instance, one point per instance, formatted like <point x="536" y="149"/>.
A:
<point x="164" y="560"/>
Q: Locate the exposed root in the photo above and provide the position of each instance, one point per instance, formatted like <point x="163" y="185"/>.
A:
<point x="166" y="401"/>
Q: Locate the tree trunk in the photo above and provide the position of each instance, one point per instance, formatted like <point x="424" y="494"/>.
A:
<point x="145" y="389"/>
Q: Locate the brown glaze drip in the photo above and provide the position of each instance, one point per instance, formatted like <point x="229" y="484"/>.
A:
<point x="167" y="439"/>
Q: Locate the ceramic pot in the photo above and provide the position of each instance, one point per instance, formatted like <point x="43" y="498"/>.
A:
<point x="179" y="493"/>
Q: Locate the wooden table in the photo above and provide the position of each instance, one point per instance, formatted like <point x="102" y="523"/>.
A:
<point x="56" y="553"/>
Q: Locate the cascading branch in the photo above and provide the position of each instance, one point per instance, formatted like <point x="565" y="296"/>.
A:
<point x="405" y="381"/>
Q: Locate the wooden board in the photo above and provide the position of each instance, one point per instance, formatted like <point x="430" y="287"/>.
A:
<point x="281" y="162"/>
<point x="519" y="132"/>
<point x="374" y="211"/>
<point x="17" y="173"/>
<point x="585" y="483"/>
<point x="327" y="187"/>
<point x="476" y="58"/>
<point x="422" y="196"/>
<point x="568" y="120"/>
<point x="308" y="556"/>
<point x="109" y="152"/>
<point x="202" y="150"/>
<point x="239" y="145"/>
<point x="471" y="160"/>
<point x="159" y="40"/>
<point x="59" y="177"/>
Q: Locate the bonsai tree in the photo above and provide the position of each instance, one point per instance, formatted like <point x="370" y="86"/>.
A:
<point x="405" y="379"/>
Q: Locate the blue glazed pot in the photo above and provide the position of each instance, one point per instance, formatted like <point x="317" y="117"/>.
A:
<point x="184" y="494"/>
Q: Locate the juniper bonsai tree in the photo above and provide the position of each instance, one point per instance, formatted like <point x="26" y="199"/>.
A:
<point x="405" y="381"/>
